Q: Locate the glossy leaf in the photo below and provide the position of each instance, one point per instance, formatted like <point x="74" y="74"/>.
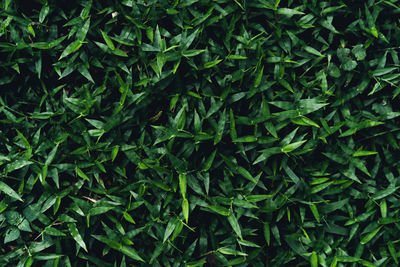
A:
<point x="75" y="234"/>
<point x="9" y="191"/>
<point x="235" y="225"/>
<point x="71" y="48"/>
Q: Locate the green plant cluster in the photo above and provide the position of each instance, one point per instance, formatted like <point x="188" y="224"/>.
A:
<point x="199" y="133"/>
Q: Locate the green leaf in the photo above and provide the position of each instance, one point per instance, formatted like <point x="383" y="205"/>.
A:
<point x="170" y="228"/>
<point x="85" y="72"/>
<point x="111" y="243"/>
<point x="185" y="209"/>
<point x="342" y="53"/>
<point x="81" y="34"/>
<point x="257" y="198"/>
<point x="383" y="71"/>
<point x="392" y="251"/>
<point x="267" y="233"/>
<point x="99" y="210"/>
<point x="288" y="12"/>
<point x="114" y="152"/>
<point x="54" y="232"/>
<point x="335" y="157"/>
<point x="347" y="259"/>
<point x="285" y="84"/>
<point x="127" y="250"/>
<point x="374" y="32"/>
<point x="131" y="253"/>
<point x="51" y="155"/>
<point x="235" y="225"/>
<point x="75" y="235"/>
<point x="212" y="63"/>
<point x="7" y="4"/>
<point x="46" y="45"/>
<point x="247" y="243"/>
<point x="9" y="191"/>
<point x="119" y="52"/>
<point x="331" y="9"/>
<point x="236" y="57"/>
<point x="23" y="139"/>
<point x="386" y="192"/>
<point x="313" y="51"/>
<point x="369" y="236"/>
<point x="81" y="174"/>
<point x="383" y="208"/>
<point x="219" y="209"/>
<point x="314" y="259"/>
<point x="43" y="13"/>
<point x="259" y="76"/>
<point x="31" y="30"/>
<point x="388" y="220"/>
<point x="220" y="128"/>
<point x="289" y="148"/>
<point x="209" y="161"/>
<point x="320" y="187"/>
<point x="108" y="41"/>
<point x="193" y="52"/>
<point x="349" y="64"/>
<point x="232" y="125"/>
<point x="245" y="139"/>
<point x="315" y="212"/>
<point x="71" y="48"/>
<point x="128" y="217"/>
<point x="359" y="52"/>
<point x="246" y="174"/>
<point x="183" y="184"/>
<point x="291" y="174"/>
<point x="12" y="234"/>
<point x="229" y="251"/>
<point x="361" y="153"/>
<point x="307" y="106"/>
<point x="304" y="121"/>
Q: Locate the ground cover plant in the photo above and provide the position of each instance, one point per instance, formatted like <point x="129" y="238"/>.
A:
<point x="199" y="133"/>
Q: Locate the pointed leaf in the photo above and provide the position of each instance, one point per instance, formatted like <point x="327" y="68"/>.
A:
<point x="246" y="174"/>
<point x="209" y="161"/>
<point x="75" y="235"/>
<point x="235" y="225"/>
<point x="267" y="233"/>
<point x="185" y="209"/>
<point x="369" y="236"/>
<point x="81" y="174"/>
<point x="108" y="40"/>
<point x="288" y="12"/>
<point x="293" y="146"/>
<point x="170" y="228"/>
<point x="9" y="191"/>
<point x="183" y="184"/>
<point x="71" y="48"/>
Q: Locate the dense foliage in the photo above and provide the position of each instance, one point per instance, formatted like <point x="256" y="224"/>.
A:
<point x="199" y="133"/>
